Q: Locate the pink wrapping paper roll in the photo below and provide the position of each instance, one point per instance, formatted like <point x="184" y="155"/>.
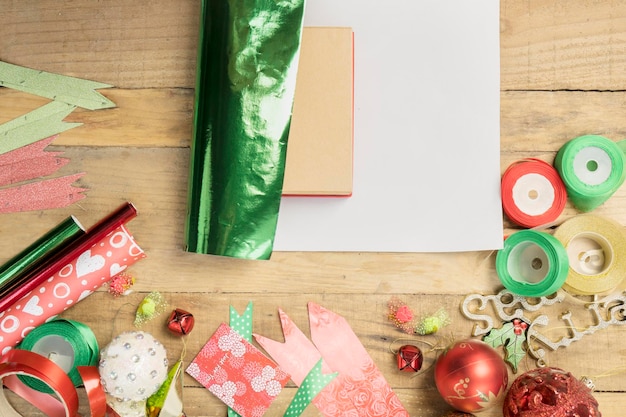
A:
<point x="75" y="281"/>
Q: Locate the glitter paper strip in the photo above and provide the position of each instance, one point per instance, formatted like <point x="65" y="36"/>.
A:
<point x="246" y="73"/>
<point x="29" y="162"/>
<point x="40" y="123"/>
<point x="42" y="195"/>
<point x="61" y="88"/>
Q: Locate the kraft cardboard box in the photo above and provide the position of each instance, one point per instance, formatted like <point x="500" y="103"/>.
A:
<point x="319" y="151"/>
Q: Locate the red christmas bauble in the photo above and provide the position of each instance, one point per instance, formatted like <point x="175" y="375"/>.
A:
<point x="180" y="322"/>
<point x="471" y="376"/>
<point x="410" y="358"/>
<point x="549" y="392"/>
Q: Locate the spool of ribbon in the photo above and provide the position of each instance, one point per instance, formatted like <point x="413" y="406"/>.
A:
<point x="596" y="247"/>
<point x="533" y="193"/>
<point x="22" y="362"/>
<point x="67" y="343"/>
<point x="18" y="363"/>
<point x="532" y="263"/>
<point x="592" y="168"/>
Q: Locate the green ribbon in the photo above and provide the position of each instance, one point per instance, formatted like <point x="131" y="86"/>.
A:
<point x="40" y="250"/>
<point x="532" y="263"/>
<point x="242" y="324"/>
<point x="246" y="72"/>
<point x="312" y="385"/>
<point x="59" y="340"/>
<point x="592" y="168"/>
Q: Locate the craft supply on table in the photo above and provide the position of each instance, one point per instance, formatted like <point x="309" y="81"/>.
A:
<point x="592" y="168"/>
<point x="471" y="376"/>
<point x="596" y="247"/>
<point x="68" y="254"/>
<point x="132" y="368"/>
<point x="532" y="263"/>
<point x="549" y="392"/>
<point x="241" y="125"/>
<point x="22" y="362"/>
<point x="335" y="342"/>
<point x="533" y="193"/>
<point x="72" y="282"/>
<point x="67" y="343"/>
<point x="237" y="373"/>
<point x="39" y="251"/>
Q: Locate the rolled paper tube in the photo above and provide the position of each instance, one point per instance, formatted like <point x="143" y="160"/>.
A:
<point x="592" y="168"/>
<point x="39" y="251"/>
<point x="596" y="247"/>
<point x="245" y="83"/>
<point x="61" y="258"/>
<point x="67" y="343"/>
<point x="76" y="280"/>
<point x="532" y="263"/>
<point x="533" y="193"/>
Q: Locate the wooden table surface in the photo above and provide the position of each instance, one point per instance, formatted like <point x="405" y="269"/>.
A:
<point x="563" y="74"/>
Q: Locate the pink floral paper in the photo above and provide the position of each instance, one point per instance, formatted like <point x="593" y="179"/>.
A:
<point x="237" y="373"/>
<point x="360" y="390"/>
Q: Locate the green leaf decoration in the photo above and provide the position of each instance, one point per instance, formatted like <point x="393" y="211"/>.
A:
<point x="512" y="340"/>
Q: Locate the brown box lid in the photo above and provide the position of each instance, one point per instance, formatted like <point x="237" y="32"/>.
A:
<point x="319" y="151"/>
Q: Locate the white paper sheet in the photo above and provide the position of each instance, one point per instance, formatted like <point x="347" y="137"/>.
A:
<point x="426" y="133"/>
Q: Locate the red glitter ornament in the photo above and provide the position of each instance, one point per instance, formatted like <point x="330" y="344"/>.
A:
<point x="180" y="322"/>
<point x="410" y="358"/>
<point x="549" y="392"/>
<point x="471" y="376"/>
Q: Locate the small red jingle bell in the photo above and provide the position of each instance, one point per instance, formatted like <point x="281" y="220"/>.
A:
<point x="180" y="322"/>
<point x="410" y="358"/>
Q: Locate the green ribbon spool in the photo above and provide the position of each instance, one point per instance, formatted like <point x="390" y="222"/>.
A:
<point x="532" y="263"/>
<point x="67" y="343"/>
<point x="592" y="168"/>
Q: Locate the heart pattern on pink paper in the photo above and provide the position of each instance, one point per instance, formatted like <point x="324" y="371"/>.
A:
<point x="86" y="264"/>
<point x="32" y="307"/>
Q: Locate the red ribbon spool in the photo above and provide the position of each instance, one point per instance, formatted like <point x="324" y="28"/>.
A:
<point x="23" y="362"/>
<point x="533" y="193"/>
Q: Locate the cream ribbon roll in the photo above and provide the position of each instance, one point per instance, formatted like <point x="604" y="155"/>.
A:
<point x="596" y="248"/>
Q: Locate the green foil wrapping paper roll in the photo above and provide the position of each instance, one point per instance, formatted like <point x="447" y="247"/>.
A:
<point x="65" y="232"/>
<point x="246" y="73"/>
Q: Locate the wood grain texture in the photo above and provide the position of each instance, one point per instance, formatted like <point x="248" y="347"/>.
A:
<point x="562" y="66"/>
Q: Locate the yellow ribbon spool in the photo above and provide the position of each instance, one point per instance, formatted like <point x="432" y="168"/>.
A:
<point x="596" y="247"/>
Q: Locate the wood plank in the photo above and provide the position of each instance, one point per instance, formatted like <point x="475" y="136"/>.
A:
<point x="556" y="45"/>
<point x="563" y="45"/>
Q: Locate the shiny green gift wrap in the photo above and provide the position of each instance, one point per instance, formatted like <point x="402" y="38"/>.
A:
<point x="246" y="74"/>
<point x="38" y="252"/>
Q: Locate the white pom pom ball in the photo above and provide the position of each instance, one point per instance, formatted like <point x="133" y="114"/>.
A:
<point x="133" y="366"/>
